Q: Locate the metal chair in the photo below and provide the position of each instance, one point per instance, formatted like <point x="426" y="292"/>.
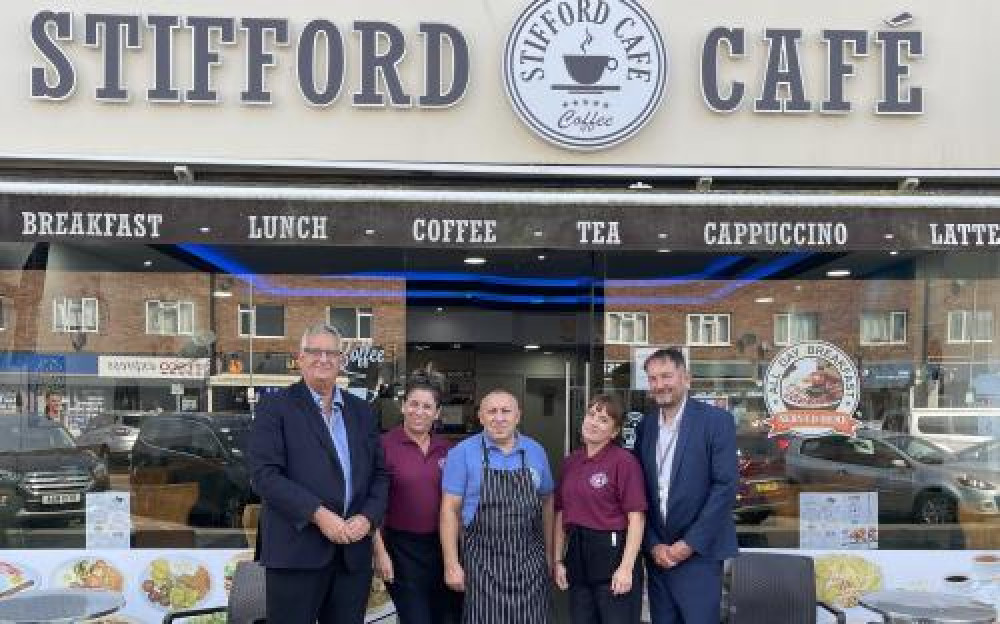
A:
<point x="246" y="598"/>
<point x="773" y="588"/>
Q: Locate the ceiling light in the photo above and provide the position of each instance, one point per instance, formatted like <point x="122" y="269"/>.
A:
<point x="893" y="253"/>
<point x="538" y="233"/>
<point x="147" y="263"/>
<point x="764" y="299"/>
<point x="456" y="345"/>
<point x="662" y="251"/>
<point x="541" y="256"/>
<point x="639" y="186"/>
<point x="531" y="347"/>
<point x="546" y="352"/>
<point x="475" y="260"/>
<point x="661" y="235"/>
<point x="838" y="273"/>
<point x="439" y="309"/>
<point x="369" y="232"/>
<point x="889" y="236"/>
<point x="204" y="229"/>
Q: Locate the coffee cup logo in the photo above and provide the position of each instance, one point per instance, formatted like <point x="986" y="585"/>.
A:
<point x="585" y="75"/>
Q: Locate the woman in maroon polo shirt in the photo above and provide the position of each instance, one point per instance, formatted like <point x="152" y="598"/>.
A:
<point x="600" y="515"/>
<point x="408" y="547"/>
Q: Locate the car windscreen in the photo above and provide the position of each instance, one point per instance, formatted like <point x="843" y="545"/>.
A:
<point x="983" y="453"/>
<point x="25" y="437"/>
<point x="234" y="438"/>
<point x="757" y="446"/>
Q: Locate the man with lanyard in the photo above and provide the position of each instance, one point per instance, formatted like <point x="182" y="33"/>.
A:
<point x="687" y="450"/>
<point x="497" y="496"/>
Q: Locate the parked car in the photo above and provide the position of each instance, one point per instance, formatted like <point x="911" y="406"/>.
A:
<point x="763" y="487"/>
<point x="112" y="434"/>
<point x="915" y="478"/>
<point x="43" y="473"/>
<point x="206" y="449"/>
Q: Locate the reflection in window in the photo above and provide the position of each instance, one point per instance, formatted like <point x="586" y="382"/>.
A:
<point x="708" y="330"/>
<point x="74" y="315"/>
<point x="262" y="321"/>
<point x="627" y="328"/>
<point x="793" y="328"/>
<point x="15" y="436"/>
<point x="970" y="326"/>
<point x="169" y="318"/>
<point x="883" y="328"/>
<point x="352" y="322"/>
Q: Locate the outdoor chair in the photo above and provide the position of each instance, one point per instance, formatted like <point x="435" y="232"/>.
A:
<point x="246" y="598"/>
<point x="772" y="588"/>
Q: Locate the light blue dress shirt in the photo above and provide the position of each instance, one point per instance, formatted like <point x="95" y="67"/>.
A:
<point x="338" y="433"/>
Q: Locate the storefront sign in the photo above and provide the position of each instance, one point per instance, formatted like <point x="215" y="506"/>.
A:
<point x="363" y="356"/>
<point x="495" y="84"/>
<point x="585" y="75"/>
<point x="143" y="367"/>
<point x="812" y="388"/>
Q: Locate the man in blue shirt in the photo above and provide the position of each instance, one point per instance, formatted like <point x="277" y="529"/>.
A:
<point x="497" y="498"/>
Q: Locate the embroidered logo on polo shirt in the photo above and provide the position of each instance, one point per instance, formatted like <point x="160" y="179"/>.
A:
<point x="598" y="480"/>
<point x="441" y="462"/>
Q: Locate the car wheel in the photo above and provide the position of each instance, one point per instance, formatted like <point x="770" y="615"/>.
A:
<point x="936" y="508"/>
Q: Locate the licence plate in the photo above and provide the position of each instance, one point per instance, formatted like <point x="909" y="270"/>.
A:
<point x="60" y="499"/>
<point x="770" y="486"/>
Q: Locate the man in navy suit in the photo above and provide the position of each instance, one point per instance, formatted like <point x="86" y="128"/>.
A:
<point x="688" y="454"/>
<point x="318" y="468"/>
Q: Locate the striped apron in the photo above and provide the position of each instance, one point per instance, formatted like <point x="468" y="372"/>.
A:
<point x="506" y="576"/>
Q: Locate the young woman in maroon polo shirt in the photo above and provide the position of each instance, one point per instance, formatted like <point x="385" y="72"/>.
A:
<point x="408" y="547"/>
<point x="600" y="515"/>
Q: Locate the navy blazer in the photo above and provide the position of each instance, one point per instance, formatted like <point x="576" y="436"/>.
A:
<point x="295" y="469"/>
<point x="703" y="481"/>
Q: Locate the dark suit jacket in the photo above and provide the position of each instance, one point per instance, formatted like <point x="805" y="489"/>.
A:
<point x="704" y="478"/>
<point x="295" y="469"/>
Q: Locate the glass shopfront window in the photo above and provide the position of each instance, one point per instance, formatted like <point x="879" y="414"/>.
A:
<point x="139" y="369"/>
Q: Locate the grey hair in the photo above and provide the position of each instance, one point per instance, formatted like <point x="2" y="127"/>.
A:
<point x="320" y="328"/>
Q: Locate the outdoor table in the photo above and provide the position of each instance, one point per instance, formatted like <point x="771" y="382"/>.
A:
<point x="923" y="607"/>
<point x="59" y="606"/>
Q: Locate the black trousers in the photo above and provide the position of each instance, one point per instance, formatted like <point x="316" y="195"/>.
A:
<point x="327" y="595"/>
<point x="418" y="588"/>
<point x="595" y="604"/>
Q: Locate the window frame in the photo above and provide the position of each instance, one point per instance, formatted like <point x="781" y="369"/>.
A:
<point x="246" y="308"/>
<point x="967" y="328"/>
<point x="703" y="316"/>
<point x="891" y="314"/>
<point x="632" y="317"/>
<point x="60" y="303"/>
<point x="789" y="317"/>
<point x="180" y="305"/>
<point x="359" y="312"/>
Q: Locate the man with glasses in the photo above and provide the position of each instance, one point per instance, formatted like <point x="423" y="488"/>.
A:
<point x="317" y="465"/>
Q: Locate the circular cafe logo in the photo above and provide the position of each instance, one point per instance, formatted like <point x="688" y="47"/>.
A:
<point x="585" y="75"/>
<point x="812" y="388"/>
<point x="598" y="480"/>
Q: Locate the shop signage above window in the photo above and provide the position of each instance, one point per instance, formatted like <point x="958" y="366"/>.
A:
<point x="538" y="82"/>
<point x="151" y="367"/>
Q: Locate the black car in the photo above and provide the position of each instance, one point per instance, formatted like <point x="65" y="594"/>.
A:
<point x="206" y="449"/>
<point x="44" y="474"/>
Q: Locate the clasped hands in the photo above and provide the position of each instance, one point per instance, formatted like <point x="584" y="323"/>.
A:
<point x="669" y="556"/>
<point x="340" y="531"/>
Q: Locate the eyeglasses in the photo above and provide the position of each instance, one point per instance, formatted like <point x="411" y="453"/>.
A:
<point x="330" y="354"/>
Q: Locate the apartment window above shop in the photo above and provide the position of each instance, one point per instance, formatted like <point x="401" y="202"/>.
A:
<point x="74" y="314"/>
<point x="627" y="328"/>
<point x="970" y="326"/>
<point x="795" y="327"/>
<point x="708" y="330"/>
<point x="878" y="328"/>
<point x="169" y="318"/>
<point x="262" y="321"/>
<point x="352" y="322"/>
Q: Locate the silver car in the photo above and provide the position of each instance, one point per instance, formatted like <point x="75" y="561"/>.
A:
<point x="914" y="478"/>
<point x="112" y="434"/>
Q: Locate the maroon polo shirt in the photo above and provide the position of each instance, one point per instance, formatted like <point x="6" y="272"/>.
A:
<point x="598" y="492"/>
<point x="414" y="481"/>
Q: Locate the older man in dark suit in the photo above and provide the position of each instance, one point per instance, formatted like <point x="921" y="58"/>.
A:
<point x="318" y="467"/>
<point x="687" y="450"/>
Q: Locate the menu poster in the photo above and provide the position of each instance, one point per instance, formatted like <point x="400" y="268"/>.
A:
<point x="838" y="520"/>
<point x="109" y="521"/>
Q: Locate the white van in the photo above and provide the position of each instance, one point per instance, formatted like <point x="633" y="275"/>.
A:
<point x="954" y="428"/>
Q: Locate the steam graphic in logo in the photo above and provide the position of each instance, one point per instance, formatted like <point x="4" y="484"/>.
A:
<point x="586" y="75"/>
